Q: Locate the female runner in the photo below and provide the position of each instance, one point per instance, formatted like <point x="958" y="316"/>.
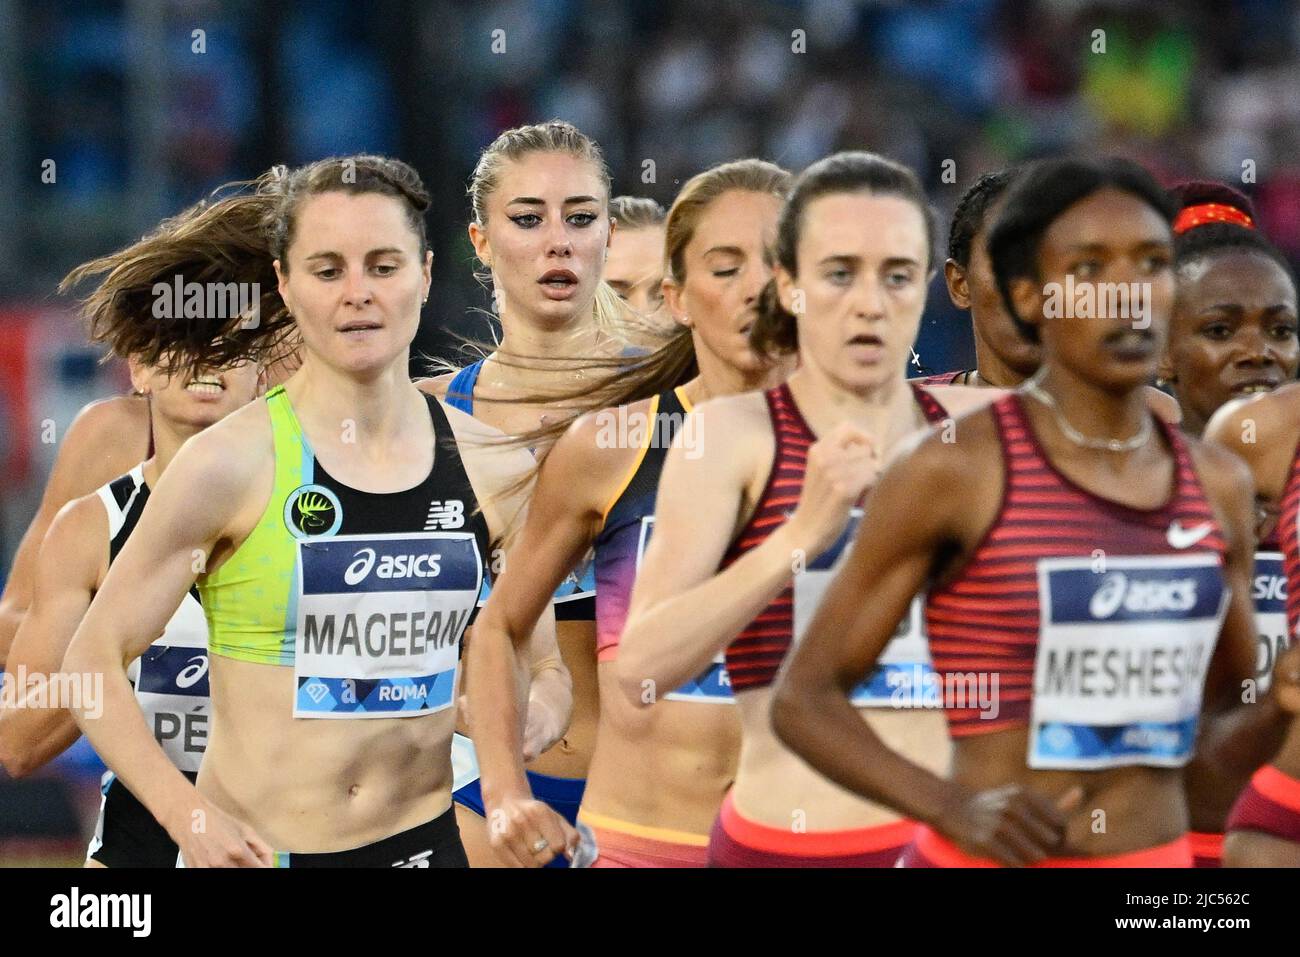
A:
<point x="540" y="197"/>
<point x="1087" y="570"/>
<point x="657" y="777"/>
<point x="1233" y="334"/>
<point x="338" y="531"/>
<point x="758" y="499"/>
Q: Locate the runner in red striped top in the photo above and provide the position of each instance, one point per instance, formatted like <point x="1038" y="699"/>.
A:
<point x="1264" y="825"/>
<point x="750" y="523"/>
<point x="1004" y="357"/>
<point x="1088" y="570"/>
<point x="1233" y="334"/>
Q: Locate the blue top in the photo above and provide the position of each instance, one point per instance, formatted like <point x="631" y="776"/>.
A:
<point x="575" y="599"/>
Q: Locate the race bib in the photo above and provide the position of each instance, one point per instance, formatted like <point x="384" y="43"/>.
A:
<point x="901" y="676"/>
<point x="1268" y="590"/>
<point x="379" y="620"/>
<point x="171" y="686"/>
<point x="711" y="686"/>
<point x="1122" y="658"/>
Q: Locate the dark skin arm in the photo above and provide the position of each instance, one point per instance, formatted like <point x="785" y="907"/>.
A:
<point x="1240" y="730"/>
<point x="892" y="559"/>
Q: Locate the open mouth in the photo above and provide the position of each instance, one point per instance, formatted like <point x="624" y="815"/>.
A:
<point x="1254" y="386"/>
<point x="207" y="386"/>
<point x="558" y="279"/>
<point x="866" y="340"/>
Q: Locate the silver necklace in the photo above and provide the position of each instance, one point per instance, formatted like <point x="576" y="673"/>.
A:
<point x="1078" y="438"/>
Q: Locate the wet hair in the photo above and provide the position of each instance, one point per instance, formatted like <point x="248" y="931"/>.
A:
<point x="968" y="217"/>
<point x="217" y="241"/>
<point x="636" y="212"/>
<point x="1039" y="195"/>
<point x="233" y="237"/>
<point x="1214" y="238"/>
<point x="775" y="332"/>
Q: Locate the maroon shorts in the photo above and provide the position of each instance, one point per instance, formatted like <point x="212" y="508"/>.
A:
<point x="1269" y="804"/>
<point x="737" y="841"/>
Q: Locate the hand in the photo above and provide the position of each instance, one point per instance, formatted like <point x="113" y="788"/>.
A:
<point x="1014" y="825"/>
<point x="543" y="728"/>
<point x="212" y="838"/>
<point x="524" y="832"/>
<point x="840" y="468"/>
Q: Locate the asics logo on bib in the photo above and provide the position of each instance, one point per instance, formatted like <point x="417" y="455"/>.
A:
<point x="1269" y="588"/>
<point x="1150" y="596"/>
<point x="1180" y="537"/>
<point x="391" y="566"/>
<point x="192" y="672"/>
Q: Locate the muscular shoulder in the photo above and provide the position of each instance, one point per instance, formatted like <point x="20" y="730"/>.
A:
<point x="437" y="385"/>
<point x="225" y="457"/>
<point x="77" y="538"/>
<point x="602" y="444"/>
<point x="107" y="438"/>
<point x="960" y="399"/>
<point x="1225" y="477"/>
<point x="497" y="469"/>
<point x="1263" y="430"/>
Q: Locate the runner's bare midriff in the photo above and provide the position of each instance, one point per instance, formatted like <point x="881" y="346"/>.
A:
<point x="667" y="766"/>
<point x="316" y="785"/>
<point x="776" y="787"/>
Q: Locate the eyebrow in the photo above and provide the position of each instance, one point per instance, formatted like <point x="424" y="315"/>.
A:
<point x="850" y="258"/>
<point x="1102" y="247"/>
<point x="382" y="251"/>
<point x="536" y="201"/>
<point x="726" y="250"/>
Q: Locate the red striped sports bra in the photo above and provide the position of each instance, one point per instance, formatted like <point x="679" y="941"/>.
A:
<point x="755" y="654"/>
<point x="1090" y="621"/>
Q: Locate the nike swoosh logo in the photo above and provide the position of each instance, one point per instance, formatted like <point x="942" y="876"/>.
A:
<point x="1180" y="537"/>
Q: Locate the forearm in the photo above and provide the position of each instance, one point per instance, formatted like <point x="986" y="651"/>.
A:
<point x="120" y="735"/>
<point x="551" y="688"/>
<point x="822" y="727"/>
<point x="1233" y="744"/>
<point x="32" y="733"/>
<point x="673" y="640"/>
<point x="497" y="686"/>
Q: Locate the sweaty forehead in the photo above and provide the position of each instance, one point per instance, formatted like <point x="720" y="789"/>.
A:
<point x="860" y="224"/>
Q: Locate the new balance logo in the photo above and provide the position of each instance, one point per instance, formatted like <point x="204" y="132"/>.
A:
<point x="415" y="860"/>
<point x="448" y="514"/>
<point x="1180" y="537"/>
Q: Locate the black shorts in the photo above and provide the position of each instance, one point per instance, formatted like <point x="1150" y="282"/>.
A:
<point x="127" y="835"/>
<point x="434" y="844"/>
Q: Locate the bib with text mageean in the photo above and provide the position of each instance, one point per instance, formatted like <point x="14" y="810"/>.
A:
<point x="171" y="686"/>
<point x="1268" y="590"/>
<point x="903" y="674"/>
<point x="712" y="685"/>
<point x="379" y="622"/>
<point x="1123" y="652"/>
